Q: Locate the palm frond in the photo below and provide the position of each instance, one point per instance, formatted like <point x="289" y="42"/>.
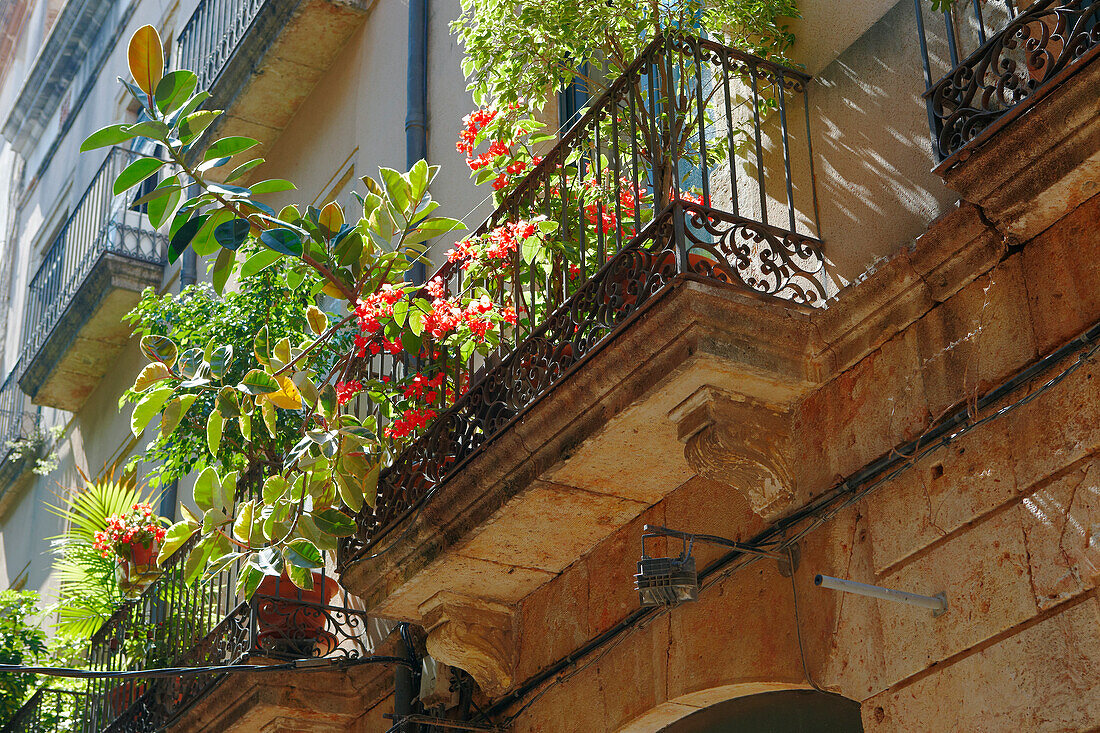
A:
<point x="88" y="591"/>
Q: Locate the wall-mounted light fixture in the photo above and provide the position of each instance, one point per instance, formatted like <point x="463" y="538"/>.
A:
<point x="668" y="581"/>
<point x="937" y="604"/>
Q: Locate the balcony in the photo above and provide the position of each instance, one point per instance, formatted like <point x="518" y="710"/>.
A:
<point x="259" y="59"/>
<point x="685" y="207"/>
<point x="1011" y="91"/>
<point x="18" y="426"/>
<point x="105" y="254"/>
<point x="174" y="623"/>
<point x="47" y="710"/>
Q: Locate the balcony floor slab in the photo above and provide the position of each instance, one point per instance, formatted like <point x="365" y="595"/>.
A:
<point x="592" y="454"/>
<point x="83" y="344"/>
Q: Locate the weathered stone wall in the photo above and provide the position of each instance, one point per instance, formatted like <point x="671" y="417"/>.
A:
<point x="1004" y="519"/>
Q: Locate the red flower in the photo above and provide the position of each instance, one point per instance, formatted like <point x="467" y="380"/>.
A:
<point x="346" y="390"/>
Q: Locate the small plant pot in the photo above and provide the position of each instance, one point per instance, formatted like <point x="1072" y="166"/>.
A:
<point x="145" y="558"/>
<point x="139" y="571"/>
<point x="291" y="620"/>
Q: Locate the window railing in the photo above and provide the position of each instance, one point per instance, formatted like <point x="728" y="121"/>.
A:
<point x="48" y="710"/>
<point x="992" y="56"/>
<point x="696" y="162"/>
<point x="101" y="223"/>
<point x="16" y="423"/>
<point x="175" y="623"/>
<point x="212" y="35"/>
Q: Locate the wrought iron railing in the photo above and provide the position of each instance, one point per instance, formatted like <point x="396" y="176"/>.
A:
<point x="697" y="161"/>
<point x="213" y="33"/>
<point x="998" y="54"/>
<point x="174" y="623"/>
<point x="101" y="223"/>
<point x="48" y="710"/>
<point x="16" y="422"/>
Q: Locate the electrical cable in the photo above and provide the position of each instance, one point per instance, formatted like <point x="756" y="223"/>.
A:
<point x="798" y="626"/>
<point x="847" y="492"/>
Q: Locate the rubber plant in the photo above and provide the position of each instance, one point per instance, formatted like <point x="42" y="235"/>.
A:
<point x="268" y="516"/>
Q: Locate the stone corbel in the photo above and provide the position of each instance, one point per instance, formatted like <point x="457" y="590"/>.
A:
<point x="472" y="634"/>
<point x="741" y="443"/>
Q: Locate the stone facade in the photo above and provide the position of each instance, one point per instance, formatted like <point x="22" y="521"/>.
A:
<point x="1003" y="518"/>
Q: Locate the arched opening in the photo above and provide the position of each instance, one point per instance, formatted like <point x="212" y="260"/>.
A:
<point x="786" y="711"/>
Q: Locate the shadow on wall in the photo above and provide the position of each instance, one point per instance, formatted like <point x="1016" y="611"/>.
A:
<point x="873" y="146"/>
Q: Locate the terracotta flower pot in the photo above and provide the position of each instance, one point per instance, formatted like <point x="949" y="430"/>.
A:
<point x="296" y="625"/>
<point x="144" y="557"/>
<point x="135" y="574"/>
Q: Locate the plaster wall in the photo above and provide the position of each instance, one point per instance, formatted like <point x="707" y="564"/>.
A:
<point x="872" y="146"/>
<point x="355" y="118"/>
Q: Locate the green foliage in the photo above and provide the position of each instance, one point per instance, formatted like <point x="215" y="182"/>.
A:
<point x="518" y="50"/>
<point x="21" y="642"/>
<point x="244" y="384"/>
<point x="89" y="590"/>
<point x="199" y="318"/>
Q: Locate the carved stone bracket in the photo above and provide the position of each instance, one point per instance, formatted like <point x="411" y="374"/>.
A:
<point x="739" y="442"/>
<point x="472" y="634"/>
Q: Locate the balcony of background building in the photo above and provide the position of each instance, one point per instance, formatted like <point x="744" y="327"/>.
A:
<point x="1011" y="96"/>
<point x="260" y="59"/>
<point x="19" y="430"/>
<point x="205" y="622"/>
<point x="92" y="274"/>
<point x="676" y="252"/>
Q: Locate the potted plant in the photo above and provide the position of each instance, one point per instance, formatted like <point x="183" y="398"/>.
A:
<point x="292" y="620"/>
<point x="134" y="539"/>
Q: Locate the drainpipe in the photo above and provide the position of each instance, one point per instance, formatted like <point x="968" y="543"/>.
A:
<point x="416" y="98"/>
<point x="405" y="683"/>
<point x="187" y="270"/>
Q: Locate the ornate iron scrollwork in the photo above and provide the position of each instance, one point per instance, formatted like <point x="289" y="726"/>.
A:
<point x="757" y="256"/>
<point x="1033" y="48"/>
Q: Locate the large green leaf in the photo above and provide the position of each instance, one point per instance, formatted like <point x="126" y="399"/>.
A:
<point x="303" y="554"/>
<point x="110" y="135"/>
<point x="220" y="359"/>
<point x="183" y="236"/>
<point x="147" y="408"/>
<point x="283" y="240"/>
<point x="397" y="188"/>
<point x="258" y="382"/>
<point x="227" y="147"/>
<point x="174" y="412"/>
<point x="223" y="268"/>
<point x="259" y="261"/>
<point x="205" y="242"/>
<point x="159" y="348"/>
<point x="164" y="205"/>
<point x="175" y="89"/>
<point x="174" y="539"/>
<point x="214" y="423"/>
<point x="207" y="487"/>
<point x="233" y="233"/>
<point x="248" y="581"/>
<point x="243" y="168"/>
<point x="195" y="124"/>
<point x="272" y="185"/>
<point x="334" y="522"/>
<point x="135" y="173"/>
